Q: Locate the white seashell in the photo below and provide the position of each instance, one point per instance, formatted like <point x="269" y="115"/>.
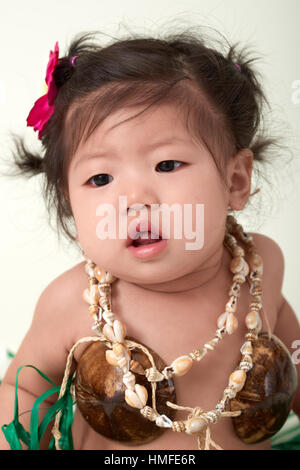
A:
<point x="222" y="319"/>
<point x="136" y="398"/>
<point x="212" y="416"/>
<point x="237" y="264"/>
<point x="252" y="319"/>
<point x="109" y="317"/>
<point x="246" y="348"/>
<point x="104" y="291"/>
<point x="89" y="269"/>
<point x="94" y="293"/>
<point x="231" y="304"/>
<point x="237" y="380"/>
<point x="86" y="296"/>
<point x="111" y="358"/>
<point x="153" y="375"/>
<point x="238" y="251"/>
<point x="104" y="302"/>
<point x="163" y="421"/>
<point x="239" y="277"/>
<point x="231" y="323"/>
<point x="212" y="344"/>
<point x="132" y="399"/>
<point x="142" y="393"/>
<point x="256" y="262"/>
<point x="230" y="392"/>
<point x="119" y="331"/>
<point x="120" y="350"/>
<point x="98" y="273"/>
<point x="109" y="333"/>
<point x="246" y="268"/>
<point x="195" y="425"/>
<point x="182" y="365"/>
<point x="109" y="277"/>
<point x="259" y="270"/>
<point x="129" y="380"/>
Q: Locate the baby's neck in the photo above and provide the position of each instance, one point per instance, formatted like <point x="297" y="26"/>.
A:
<point x="206" y="277"/>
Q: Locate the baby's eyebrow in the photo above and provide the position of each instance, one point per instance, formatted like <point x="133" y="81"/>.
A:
<point x="91" y="156"/>
<point x="147" y="146"/>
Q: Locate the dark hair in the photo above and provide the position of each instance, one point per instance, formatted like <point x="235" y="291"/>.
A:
<point x="223" y="106"/>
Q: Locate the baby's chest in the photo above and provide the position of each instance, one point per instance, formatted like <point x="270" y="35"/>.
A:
<point x="172" y="336"/>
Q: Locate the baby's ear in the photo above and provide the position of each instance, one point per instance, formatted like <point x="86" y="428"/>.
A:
<point x="239" y="172"/>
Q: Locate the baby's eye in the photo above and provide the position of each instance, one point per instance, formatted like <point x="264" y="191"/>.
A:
<point x="168" y="165"/>
<point x="99" y="180"/>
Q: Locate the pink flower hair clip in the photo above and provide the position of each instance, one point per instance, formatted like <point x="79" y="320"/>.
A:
<point x="43" y="108"/>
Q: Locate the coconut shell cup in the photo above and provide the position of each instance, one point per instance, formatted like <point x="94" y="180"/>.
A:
<point x="100" y="396"/>
<point x="266" y="398"/>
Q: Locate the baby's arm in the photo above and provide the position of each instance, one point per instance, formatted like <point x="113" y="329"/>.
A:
<point x="288" y="330"/>
<point x="44" y="346"/>
<point x="287" y="327"/>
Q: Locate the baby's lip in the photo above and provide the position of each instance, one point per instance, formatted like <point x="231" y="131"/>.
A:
<point x="144" y="227"/>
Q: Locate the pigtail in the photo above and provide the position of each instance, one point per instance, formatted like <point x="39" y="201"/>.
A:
<point x="254" y="106"/>
<point x="24" y="162"/>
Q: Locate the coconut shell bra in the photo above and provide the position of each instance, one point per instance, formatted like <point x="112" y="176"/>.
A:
<point x="126" y="392"/>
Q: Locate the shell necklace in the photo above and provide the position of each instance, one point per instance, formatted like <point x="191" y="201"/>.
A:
<point x="117" y="358"/>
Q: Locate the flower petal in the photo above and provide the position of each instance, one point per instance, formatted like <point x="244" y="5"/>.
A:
<point x="53" y="60"/>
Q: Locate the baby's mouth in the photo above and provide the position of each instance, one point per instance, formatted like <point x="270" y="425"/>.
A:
<point x="144" y="238"/>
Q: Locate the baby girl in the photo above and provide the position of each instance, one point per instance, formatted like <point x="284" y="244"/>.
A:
<point x="153" y="142"/>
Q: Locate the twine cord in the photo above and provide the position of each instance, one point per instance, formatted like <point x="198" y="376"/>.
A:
<point x="204" y="439"/>
<point x="55" y="430"/>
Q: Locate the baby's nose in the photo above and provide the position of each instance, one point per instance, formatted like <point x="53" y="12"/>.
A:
<point x="136" y="207"/>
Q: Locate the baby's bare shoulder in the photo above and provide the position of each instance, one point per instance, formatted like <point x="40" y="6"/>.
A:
<point x="60" y="291"/>
<point x="273" y="265"/>
<point x="58" y="303"/>
<point x="270" y="251"/>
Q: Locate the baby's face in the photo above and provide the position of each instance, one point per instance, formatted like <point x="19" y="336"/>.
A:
<point x="151" y="160"/>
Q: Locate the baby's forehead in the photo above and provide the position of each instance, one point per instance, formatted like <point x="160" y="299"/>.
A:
<point x="146" y="107"/>
<point x="163" y="123"/>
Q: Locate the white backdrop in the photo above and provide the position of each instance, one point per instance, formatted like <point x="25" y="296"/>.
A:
<point x="31" y="256"/>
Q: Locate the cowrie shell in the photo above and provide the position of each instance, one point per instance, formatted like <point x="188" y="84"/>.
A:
<point x="138" y="397"/>
<point x="98" y="273"/>
<point x="246" y="348"/>
<point x="120" y="350"/>
<point x="109" y="277"/>
<point x="182" y="365"/>
<point x="89" y="269"/>
<point x="109" y="333"/>
<point x="86" y="296"/>
<point x="246" y="268"/>
<point x="119" y="331"/>
<point x="94" y="294"/>
<point x="129" y="380"/>
<point x="231" y="323"/>
<point x="195" y="425"/>
<point x="256" y="262"/>
<point x="111" y="357"/>
<point x="163" y="421"/>
<point x="237" y="380"/>
<point x="109" y="317"/>
<point x="222" y="320"/>
<point x="252" y="319"/>
<point x="237" y="264"/>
